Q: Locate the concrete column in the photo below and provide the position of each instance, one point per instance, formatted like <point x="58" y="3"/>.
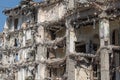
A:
<point x="24" y="42"/>
<point x="23" y="74"/>
<point x="70" y="48"/>
<point x="19" y="75"/>
<point x="41" y="55"/>
<point x="104" y="55"/>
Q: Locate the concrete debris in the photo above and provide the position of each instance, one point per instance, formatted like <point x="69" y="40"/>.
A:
<point x="61" y="40"/>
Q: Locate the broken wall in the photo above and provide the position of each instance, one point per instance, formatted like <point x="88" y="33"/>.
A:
<point x="52" y="13"/>
<point x="41" y="54"/>
<point x="84" y="35"/>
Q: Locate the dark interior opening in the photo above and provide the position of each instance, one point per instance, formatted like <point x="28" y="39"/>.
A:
<point x="15" y="43"/>
<point x="16" y="23"/>
<point x="53" y="36"/>
<point x="116" y="56"/>
<point x="113" y="37"/>
<point x="86" y="48"/>
<point x="80" y="47"/>
<point x="1" y="56"/>
<point x="51" y="53"/>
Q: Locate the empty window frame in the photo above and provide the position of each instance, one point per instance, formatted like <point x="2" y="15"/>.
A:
<point x="16" y="42"/>
<point x="80" y="47"/>
<point x="85" y="47"/>
<point x="16" y="23"/>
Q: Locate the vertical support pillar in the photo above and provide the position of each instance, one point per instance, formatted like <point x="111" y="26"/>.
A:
<point x="24" y="32"/>
<point x="41" y="55"/>
<point x="104" y="55"/>
<point x="70" y="48"/>
<point x="23" y="74"/>
<point x="19" y="75"/>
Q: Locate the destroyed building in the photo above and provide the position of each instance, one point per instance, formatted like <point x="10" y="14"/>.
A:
<point x="61" y="40"/>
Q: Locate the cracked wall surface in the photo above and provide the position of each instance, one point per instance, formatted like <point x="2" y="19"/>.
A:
<point x="61" y="40"/>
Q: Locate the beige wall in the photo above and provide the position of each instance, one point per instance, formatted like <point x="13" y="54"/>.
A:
<point x="52" y="13"/>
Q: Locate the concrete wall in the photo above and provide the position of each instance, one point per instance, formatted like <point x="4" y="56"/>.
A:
<point x="84" y="34"/>
<point x="55" y="12"/>
<point x="52" y="13"/>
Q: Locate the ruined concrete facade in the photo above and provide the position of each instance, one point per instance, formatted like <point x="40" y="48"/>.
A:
<point x="61" y="40"/>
